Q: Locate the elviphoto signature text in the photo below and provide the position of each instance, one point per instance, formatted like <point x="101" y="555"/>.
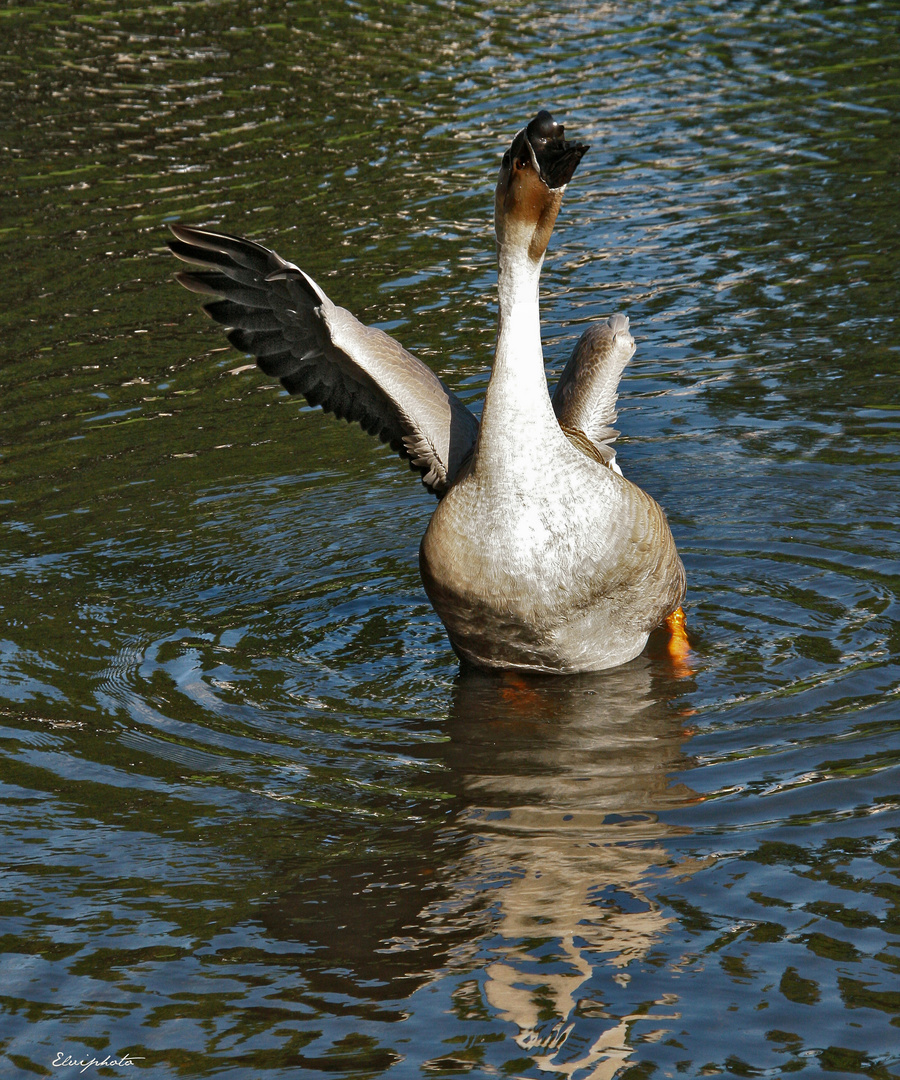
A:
<point x="66" y="1061"/>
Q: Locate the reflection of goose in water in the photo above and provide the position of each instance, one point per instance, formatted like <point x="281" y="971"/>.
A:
<point x="540" y="555"/>
<point x="523" y="879"/>
<point x="564" y="784"/>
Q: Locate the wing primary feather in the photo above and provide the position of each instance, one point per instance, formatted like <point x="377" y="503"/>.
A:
<point x="277" y="312"/>
<point x="586" y="394"/>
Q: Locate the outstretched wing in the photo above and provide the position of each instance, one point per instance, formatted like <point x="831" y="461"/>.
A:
<point x="585" y="396"/>
<point x="281" y="316"/>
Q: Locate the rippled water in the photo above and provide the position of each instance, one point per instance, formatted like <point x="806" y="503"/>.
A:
<point x="256" y="823"/>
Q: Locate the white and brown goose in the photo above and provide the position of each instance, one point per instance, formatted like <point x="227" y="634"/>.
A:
<point x="540" y="555"/>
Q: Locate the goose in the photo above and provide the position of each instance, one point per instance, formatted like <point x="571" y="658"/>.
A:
<point x="540" y="555"/>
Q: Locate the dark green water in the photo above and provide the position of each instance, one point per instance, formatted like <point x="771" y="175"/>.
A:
<point x="255" y="822"/>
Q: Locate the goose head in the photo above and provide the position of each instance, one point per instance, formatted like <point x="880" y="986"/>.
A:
<point x="533" y="177"/>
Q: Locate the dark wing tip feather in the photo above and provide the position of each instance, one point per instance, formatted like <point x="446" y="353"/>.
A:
<point x="296" y="275"/>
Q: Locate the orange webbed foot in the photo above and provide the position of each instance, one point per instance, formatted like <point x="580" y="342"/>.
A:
<point x="679" y="646"/>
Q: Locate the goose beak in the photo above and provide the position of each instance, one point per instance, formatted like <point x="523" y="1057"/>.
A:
<point x="543" y="142"/>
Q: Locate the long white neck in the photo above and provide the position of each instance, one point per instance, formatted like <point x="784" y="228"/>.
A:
<point x="518" y="419"/>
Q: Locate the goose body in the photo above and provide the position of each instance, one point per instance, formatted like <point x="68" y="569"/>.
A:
<point x="540" y="555"/>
